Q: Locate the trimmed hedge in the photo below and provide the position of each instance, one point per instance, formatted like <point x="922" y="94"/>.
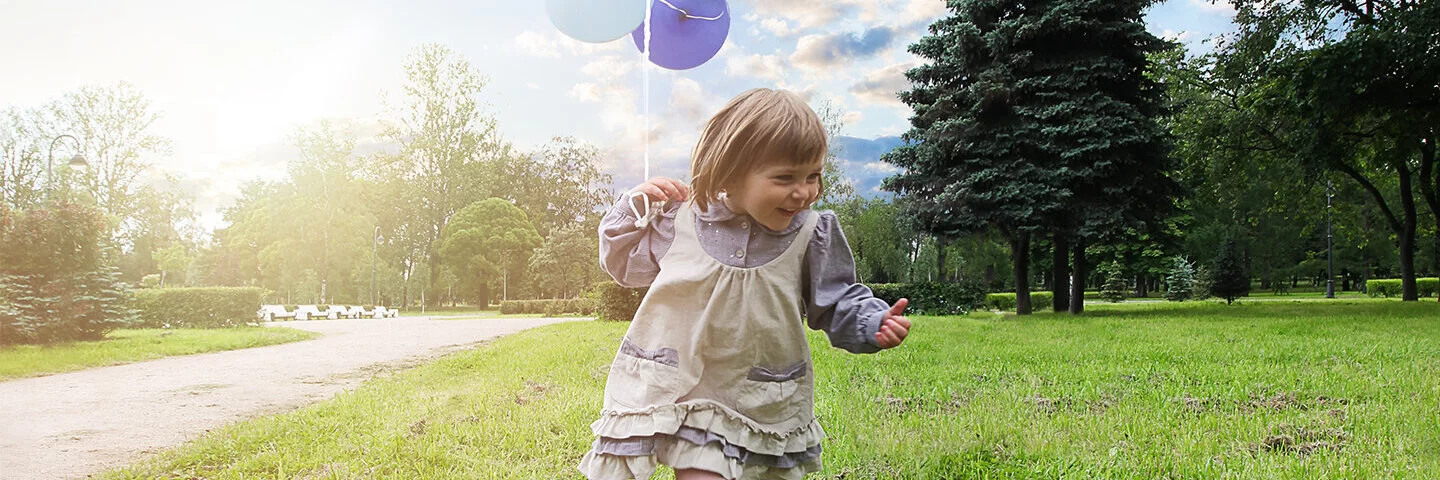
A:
<point x="580" y="306"/>
<point x="932" y="298"/>
<point x="205" y="307"/>
<point x="1006" y="301"/>
<point x="618" y="303"/>
<point x="1425" y="287"/>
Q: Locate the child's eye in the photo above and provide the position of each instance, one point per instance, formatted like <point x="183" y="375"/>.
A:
<point x="815" y="177"/>
<point x="784" y="178"/>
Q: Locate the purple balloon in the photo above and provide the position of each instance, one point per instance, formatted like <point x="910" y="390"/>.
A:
<point x="682" y="42"/>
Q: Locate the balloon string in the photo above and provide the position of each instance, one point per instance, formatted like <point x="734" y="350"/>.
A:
<point x="643" y="218"/>
<point x="688" y="15"/>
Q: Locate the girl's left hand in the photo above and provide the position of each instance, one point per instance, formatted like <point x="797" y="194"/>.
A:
<point x="894" y="327"/>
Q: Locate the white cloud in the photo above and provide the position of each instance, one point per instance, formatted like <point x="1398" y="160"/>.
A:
<point x="609" y="67"/>
<point x="805" y="13"/>
<point x="687" y="101"/>
<point x="881" y="86"/>
<point x="768" y="67"/>
<point x="879" y="167"/>
<point x="921" y="13"/>
<point x="537" y="44"/>
<point x="819" y="53"/>
<point x="1213" y="6"/>
<point x="852" y="117"/>
<point x="1169" y="34"/>
<point x="777" y="27"/>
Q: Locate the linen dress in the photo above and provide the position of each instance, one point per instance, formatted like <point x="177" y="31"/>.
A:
<point x="714" y="372"/>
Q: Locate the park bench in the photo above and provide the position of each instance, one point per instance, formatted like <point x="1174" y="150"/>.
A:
<point x="308" y="312"/>
<point x="271" y="312"/>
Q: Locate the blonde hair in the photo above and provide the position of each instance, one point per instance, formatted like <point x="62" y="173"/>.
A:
<point x="758" y="125"/>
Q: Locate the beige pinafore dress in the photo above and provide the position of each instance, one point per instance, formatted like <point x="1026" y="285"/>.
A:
<point x="714" y="372"/>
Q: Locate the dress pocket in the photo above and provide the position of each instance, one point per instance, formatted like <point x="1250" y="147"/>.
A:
<point x="775" y="395"/>
<point x="641" y="378"/>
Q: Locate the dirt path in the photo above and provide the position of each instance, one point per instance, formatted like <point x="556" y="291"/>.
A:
<point x="74" y="424"/>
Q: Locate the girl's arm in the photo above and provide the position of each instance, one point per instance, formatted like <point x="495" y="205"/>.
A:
<point x="631" y="255"/>
<point x="847" y="311"/>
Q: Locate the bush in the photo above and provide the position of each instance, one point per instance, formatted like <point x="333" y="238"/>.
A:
<point x="618" y="303"/>
<point x="205" y="307"/>
<point x="1180" y="281"/>
<point x="1392" y="287"/>
<point x="55" y="283"/>
<point x="581" y="306"/>
<point x="932" y="298"/>
<point x="1006" y="301"/>
<point x="1230" y="280"/>
<point x="1115" y="284"/>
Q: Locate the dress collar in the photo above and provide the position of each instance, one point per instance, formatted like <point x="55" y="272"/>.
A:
<point x="718" y="212"/>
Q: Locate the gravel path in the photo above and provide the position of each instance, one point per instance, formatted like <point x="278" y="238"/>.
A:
<point x="75" y="424"/>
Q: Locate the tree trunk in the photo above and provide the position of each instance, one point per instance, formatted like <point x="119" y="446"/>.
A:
<point x="1020" y="249"/>
<point x="940" y="243"/>
<point x="1060" y="274"/>
<point x="484" y="295"/>
<point x="1407" y="238"/>
<point x="1077" y="287"/>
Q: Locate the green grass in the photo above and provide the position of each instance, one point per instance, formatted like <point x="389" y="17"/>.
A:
<point x="135" y="345"/>
<point x="1347" y="389"/>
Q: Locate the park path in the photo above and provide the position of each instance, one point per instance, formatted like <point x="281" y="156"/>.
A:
<point x="75" y="424"/>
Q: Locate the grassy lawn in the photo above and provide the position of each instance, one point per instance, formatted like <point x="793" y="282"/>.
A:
<point x="134" y="345"/>
<point x="1267" y="390"/>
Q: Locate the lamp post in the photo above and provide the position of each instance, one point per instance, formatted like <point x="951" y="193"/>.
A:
<point x="77" y="161"/>
<point x="1329" y="242"/>
<point x="374" y="260"/>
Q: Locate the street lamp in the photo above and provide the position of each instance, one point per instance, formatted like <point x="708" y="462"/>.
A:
<point x="1329" y="241"/>
<point x="77" y="161"/>
<point x="374" y="260"/>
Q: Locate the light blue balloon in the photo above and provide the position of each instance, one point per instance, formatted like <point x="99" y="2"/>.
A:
<point x="596" y="21"/>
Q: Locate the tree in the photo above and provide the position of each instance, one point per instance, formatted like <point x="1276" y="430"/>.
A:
<point x="1115" y="284"/>
<point x="559" y="185"/>
<point x="565" y="264"/>
<point x="56" y="280"/>
<point x="1229" y="278"/>
<point x="487" y="239"/>
<point x="1030" y="118"/>
<point x="173" y="262"/>
<point x="449" y="149"/>
<point x="1180" y="282"/>
<point x="837" y="186"/>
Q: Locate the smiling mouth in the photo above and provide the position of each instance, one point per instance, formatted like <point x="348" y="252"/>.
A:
<point x="787" y="212"/>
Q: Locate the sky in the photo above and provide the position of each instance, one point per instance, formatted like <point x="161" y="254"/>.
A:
<point x="233" y="81"/>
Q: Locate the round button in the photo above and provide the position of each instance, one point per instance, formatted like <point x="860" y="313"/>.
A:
<point x="739" y="254"/>
<point x="745" y="225"/>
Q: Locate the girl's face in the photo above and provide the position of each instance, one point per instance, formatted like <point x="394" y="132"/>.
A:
<point x="777" y="191"/>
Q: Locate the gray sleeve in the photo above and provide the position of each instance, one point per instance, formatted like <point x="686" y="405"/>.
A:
<point x="631" y="255"/>
<point x="847" y="311"/>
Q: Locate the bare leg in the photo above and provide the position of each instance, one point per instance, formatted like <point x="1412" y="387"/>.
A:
<point x="692" y="474"/>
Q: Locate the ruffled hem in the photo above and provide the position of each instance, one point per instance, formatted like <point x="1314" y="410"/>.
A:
<point x="682" y="454"/>
<point x="641" y="446"/>
<point x="736" y="429"/>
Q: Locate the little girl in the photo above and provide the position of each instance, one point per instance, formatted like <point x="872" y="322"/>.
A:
<point x="713" y="377"/>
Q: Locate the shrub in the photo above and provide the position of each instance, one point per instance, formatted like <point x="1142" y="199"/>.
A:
<point x="203" y="307"/>
<point x="1115" y="284"/>
<point x="580" y="306"/>
<point x="1393" y="287"/>
<point x="932" y="298"/>
<point x="1180" y="281"/>
<point x="1006" y="301"/>
<point x="618" y="303"/>
<point x="1230" y="280"/>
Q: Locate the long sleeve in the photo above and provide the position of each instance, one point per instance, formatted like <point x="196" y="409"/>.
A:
<point x="631" y="255"/>
<point x="845" y="310"/>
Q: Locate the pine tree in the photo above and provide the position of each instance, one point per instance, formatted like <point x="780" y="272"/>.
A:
<point x="1029" y="118"/>
<point x="1115" y="283"/>
<point x="1230" y="280"/>
<point x="1180" y="281"/>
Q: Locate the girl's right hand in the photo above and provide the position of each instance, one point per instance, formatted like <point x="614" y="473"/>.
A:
<point x="663" y="189"/>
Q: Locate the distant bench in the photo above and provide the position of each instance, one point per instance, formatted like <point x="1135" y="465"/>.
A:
<point x="308" y="312"/>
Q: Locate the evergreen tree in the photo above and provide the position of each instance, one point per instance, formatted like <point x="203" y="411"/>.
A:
<point x="1115" y="283"/>
<point x="1180" y="281"/>
<point x="1229" y="281"/>
<point x="1029" y="117"/>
